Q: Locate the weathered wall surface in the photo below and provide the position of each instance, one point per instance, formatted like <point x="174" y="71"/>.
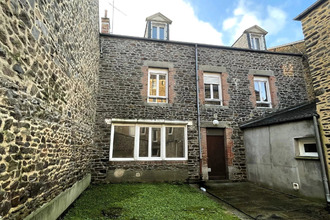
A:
<point x="270" y="158"/>
<point x="316" y="31"/>
<point x="49" y="55"/>
<point x="242" y="41"/>
<point x="122" y="82"/>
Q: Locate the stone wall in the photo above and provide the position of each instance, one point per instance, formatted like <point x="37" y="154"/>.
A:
<point x="122" y="67"/>
<point x="315" y="26"/>
<point x="49" y="54"/>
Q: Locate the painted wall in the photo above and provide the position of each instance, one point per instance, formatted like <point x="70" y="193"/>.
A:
<point x="270" y="159"/>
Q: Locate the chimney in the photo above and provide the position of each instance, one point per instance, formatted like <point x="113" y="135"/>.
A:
<point x="105" y="24"/>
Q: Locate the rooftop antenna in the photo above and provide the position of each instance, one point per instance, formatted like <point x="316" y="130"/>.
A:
<point x="113" y="12"/>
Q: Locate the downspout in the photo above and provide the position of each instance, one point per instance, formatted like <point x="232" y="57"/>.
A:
<point x="198" y="114"/>
<point x="321" y="156"/>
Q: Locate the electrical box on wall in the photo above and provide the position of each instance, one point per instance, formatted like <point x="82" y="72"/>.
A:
<point x="295" y="186"/>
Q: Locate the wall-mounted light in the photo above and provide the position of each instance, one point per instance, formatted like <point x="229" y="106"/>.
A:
<point x="215" y="122"/>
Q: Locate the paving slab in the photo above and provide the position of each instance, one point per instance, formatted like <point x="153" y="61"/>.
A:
<point x="262" y="203"/>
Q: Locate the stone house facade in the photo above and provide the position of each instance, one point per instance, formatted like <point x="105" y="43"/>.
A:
<point x="126" y="68"/>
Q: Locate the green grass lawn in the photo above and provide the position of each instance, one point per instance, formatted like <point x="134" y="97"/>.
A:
<point x="145" y="201"/>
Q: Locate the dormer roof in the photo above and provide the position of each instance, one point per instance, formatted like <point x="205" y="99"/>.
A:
<point x="256" y="30"/>
<point x="159" y="17"/>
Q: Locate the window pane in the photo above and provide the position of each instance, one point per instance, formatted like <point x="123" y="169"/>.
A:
<point x="263" y="91"/>
<point x="174" y="142"/>
<point x="162" y="85"/>
<point x="154" y="32"/>
<point x="153" y="85"/>
<point x="123" y="146"/>
<point x="144" y="141"/>
<point x="257" y="90"/>
<point x="216" y="92"/>
<point x="257" y="43"/>
<point x="161" y="33"/>
<point x="207" y="91"/>
<point x="155" y="144"/>
<point x="310" y="148"/>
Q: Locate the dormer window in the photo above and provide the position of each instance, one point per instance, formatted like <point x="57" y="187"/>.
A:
<point x="158" y="31"/>
<point x="157" y="27"/>
<point x="257" y="42"/>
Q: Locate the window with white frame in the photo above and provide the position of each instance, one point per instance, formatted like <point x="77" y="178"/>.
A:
<point x="212" y="86"/>
<point x="257" y="42"/>
<point x="262" y="92"/>
<point x="307" y="147"/>
<point x="158" y="85"/>
<point x="148" y="142"/>
<point x="158" y="31"/>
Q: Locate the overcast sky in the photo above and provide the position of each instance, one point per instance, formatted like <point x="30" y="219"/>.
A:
<point x="218" y="22"/>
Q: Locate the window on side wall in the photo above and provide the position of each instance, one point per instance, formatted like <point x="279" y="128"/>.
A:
<point x="212" y="86"/>
<point x="257" y="42"/>
<point x="148" y="142"/>
<point x="262" y="92"/>
<point x="158" y="31"/>
<point x="307" y="147"/>
<point x="157" y="85"/>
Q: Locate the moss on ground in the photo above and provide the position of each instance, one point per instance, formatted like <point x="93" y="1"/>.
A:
<point x="145" y="201"/>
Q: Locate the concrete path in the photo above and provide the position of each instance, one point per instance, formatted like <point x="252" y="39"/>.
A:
<point x="261" y="203"/>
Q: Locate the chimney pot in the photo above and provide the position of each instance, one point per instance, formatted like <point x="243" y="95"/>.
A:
<point x="106" y="13"/>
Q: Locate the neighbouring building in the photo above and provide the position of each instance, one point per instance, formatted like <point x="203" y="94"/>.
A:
<point x="281" y="151"/>
<point x="49" y="55"/>
<point x="315" y="25"/>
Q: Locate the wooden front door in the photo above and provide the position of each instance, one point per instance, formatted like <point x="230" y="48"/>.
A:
<point x="216" y="157"/>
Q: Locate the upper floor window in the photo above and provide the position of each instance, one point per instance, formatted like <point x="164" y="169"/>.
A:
<point x="257" y="42"/>
<point x="261" y="88"/>
<point x="212" y="85"/>
<point x="158" y="31"/>
<point x="157" y="85"/>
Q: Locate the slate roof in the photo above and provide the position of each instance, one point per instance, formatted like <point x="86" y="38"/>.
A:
<point x="297" y="113"/>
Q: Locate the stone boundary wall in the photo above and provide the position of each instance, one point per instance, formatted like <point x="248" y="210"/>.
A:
<point x="316" y="31"/>
<point x="122" y="68"/>
<point x="49" y="55"/>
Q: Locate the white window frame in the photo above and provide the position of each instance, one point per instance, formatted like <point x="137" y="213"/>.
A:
<point x="261" y="101"/>
<point x="212" y="99"/>
<point x="301" y="146"/>
<point x="137" y="143"/>
<point x="158" y="26"/>
<point x="253" y="38"/>
<point x="157" y="72"/>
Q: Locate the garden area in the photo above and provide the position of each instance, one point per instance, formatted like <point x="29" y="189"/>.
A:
<point x="145" y="201"/>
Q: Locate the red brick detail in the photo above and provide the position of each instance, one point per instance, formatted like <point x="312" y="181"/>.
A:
<point x="225" y="88"/>
<point x="144" y="81"/>
<point x="273" y="91"/>
<point x="251" y="88"/>
<point x="171" y="84"/>
<point x="229" y="144"/>
<point x="204" y="147"/>
<point x="201" y="87"/>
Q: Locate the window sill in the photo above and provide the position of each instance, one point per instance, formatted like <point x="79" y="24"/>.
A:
<point x="215" y="106"/>
<point x="159" y="104"/>
<point x="306" y="158"/>
<point x="153" y="162"/>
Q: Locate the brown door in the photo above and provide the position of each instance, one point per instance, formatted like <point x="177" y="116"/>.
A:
<point x="216" y="157"/>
